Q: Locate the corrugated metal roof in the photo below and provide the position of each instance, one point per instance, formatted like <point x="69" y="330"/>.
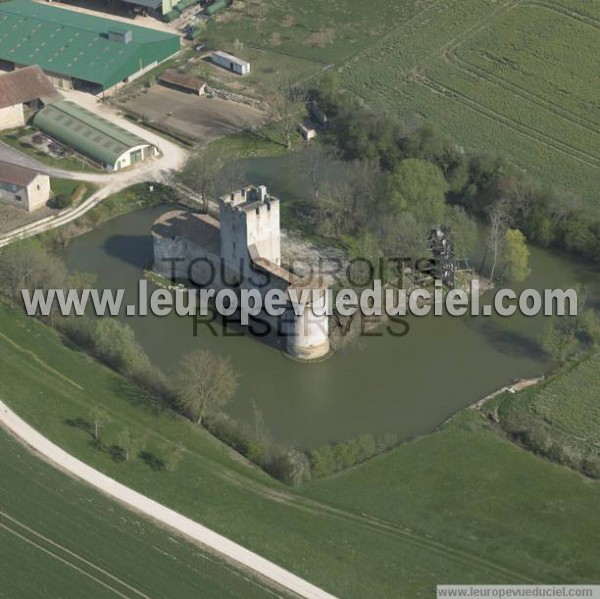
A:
<point x="25" y="85"/>
<point x="231" y="58"/>
<point x="75" y="44"/>
<point x="86" y="132"/>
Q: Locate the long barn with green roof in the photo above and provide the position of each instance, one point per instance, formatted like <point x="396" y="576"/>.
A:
<point x="79" y="50"/>
<point x="90" y="135"/>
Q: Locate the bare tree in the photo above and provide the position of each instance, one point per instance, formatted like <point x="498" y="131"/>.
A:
<point x="499" y="221"/>
<point x="131" y="444"/>
<point x="100" y="418"/>
<point x="201" y="172"/>
<point x="205" y="383"/>
<point x="288" y="107"/>
<point x="335" y="209"/>
<point x="172" y="454"/>
<point x="317" y="162"/>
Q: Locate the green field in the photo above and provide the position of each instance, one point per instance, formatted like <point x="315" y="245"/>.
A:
<point x="515" y="78"/>
<point x="563" y="412"/>
<point x="59" y="538"/>
<point x="462" y="505"/>
<point x="325" y="32"/>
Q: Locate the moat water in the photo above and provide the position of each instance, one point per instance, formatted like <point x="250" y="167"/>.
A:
<point x="382" y="384"/>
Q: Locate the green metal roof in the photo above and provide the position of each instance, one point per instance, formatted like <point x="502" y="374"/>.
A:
<point x="74" y="44"/>
<point x="86" y="132"/>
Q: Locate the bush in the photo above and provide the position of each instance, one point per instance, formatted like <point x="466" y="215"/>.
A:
<point x="331" y="458"/>
<point x="591" y="467"/>
<point x="61" y="201"/>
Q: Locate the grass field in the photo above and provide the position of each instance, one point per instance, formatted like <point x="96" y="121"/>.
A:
<point x="324" y="32"/>
<point x="59" y="538"/>
<point x="566" y="407"/>
<point x="514" y="78"/>
<point x="461" y="505"/>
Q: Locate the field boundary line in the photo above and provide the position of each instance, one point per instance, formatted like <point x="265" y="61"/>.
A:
<point x="550" y="142"/>
<point x="391" y="32"/>
<point x="463" y="64"/>
<point x="379" y="525"/>
<point x="587" y="19"/>
<point x="3" y="514"/>
<point x="37" y="359"/>
<point x="439" y="52"/>
<point x="158" y="512"/>
<point x="451" y="53"/>
<point x="64" y="561"/>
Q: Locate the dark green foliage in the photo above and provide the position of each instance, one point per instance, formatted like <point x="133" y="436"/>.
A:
<point x="327" y="459"/>
<point x="547" y="217"/>
<point x="62" y="201"/>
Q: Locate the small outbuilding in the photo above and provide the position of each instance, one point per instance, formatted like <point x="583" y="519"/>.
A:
<point x="231" y="63"/>
<point x="183" y="83"/>
<point x="23" y="187"/>
<point x="88" y="134"/>
<point x="307" y="130"/>
<point x="22" y="92"/>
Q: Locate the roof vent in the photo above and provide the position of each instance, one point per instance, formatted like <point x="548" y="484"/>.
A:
<point x="122" y="36"/>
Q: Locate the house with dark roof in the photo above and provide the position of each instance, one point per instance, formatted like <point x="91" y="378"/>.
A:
<point x="23" y="92"/>
<point x="77" y="50"/>
<point x="23" y="187"/>
<point x="86" y="133"/>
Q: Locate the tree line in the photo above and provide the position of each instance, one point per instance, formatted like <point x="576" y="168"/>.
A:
<point x="479" y="183"/>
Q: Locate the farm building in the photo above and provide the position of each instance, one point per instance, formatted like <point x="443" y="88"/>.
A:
<point x="23" y="187"/>
<point x="22" y="92"/>
<point x="90" y="135"/>
<point x="155" y="8"/>
<point x="185" y="83"/>
<point x="307" y="130"/>
<point x="231" y="63"/>
<point x="78" y="50"/>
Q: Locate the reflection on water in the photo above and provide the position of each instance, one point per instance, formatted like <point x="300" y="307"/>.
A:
<point x="405" y="385"/>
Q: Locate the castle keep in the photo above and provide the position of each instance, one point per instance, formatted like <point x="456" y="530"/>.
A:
<point x="242" y="250"/>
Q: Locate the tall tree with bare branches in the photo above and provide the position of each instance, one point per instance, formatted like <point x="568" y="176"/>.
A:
<point x="287" y="104"/>
<point x="205" y="382"/>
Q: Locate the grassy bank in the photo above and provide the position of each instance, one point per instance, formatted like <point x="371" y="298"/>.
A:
<point x="559" y="418"/>
<point x="461" y="505"/>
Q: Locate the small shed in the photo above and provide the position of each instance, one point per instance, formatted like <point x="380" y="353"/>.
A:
<point x="307" y="130"/>
<point x="184" y="83"/>
<point x="231" y="63"/>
